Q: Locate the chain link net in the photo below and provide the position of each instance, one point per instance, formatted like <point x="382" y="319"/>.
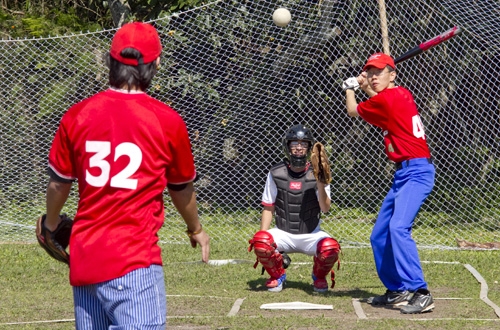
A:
<point x="240" y="81"/>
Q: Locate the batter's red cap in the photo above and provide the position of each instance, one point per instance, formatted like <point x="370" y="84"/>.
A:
<point x="140" y="36"/>
<point x="379" y="61"/>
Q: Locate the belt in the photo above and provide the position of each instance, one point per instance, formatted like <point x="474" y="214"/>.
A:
<point x="414" y="161"/>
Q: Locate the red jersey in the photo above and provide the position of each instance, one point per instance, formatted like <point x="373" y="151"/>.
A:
<point x="394" y="110"/>
<point x="123" y="149"/>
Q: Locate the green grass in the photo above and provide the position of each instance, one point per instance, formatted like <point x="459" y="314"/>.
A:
<point x="349" y="226"/>
<point x="199" y="296"/>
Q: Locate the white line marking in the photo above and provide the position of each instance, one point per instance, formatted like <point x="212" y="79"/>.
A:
<point x="236" y="307"/>
<point x="358" y="309"/>
<point x="228" y="261"/>
<point x="484" y="289"/>
<point x="215" y="262"/>
<point x="17" y="224"/>
<point x="450" y="319"/>
<point x="36" y="322"/>
<point x="193" y="296"/>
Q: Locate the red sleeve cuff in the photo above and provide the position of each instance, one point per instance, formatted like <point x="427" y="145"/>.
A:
<point x="267" y="204"/>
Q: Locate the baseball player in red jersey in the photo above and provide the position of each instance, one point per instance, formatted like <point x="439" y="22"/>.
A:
<point x="124" y="147"/>
<point x="393" y="109"/>
<point x="296" y="199"/>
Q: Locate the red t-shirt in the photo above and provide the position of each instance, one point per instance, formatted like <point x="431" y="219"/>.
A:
<point x="123" y="149"/>
<point x="394" y="110"/>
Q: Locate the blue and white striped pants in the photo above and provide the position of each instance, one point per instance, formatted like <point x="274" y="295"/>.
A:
<point x="136" y="300"/>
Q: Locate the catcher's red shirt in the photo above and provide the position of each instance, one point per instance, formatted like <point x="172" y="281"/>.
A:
<point x="122" y="148"/>
<point x="394" y="110"/>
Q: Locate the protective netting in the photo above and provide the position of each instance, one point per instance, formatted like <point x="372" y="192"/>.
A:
<point x="239" y="82"/>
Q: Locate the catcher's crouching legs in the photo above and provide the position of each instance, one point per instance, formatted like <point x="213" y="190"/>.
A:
<point x="327" y="254"/>
<point x="272" y="261"/>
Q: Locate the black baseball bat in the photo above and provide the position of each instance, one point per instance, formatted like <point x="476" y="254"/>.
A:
<point x="429" y="44"/>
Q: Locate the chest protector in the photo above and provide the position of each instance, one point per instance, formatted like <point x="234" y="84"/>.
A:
<point x="296" y="207"/>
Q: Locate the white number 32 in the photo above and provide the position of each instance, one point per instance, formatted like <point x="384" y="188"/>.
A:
<point x="122" y="179"/>
<point x="418" y="127"/>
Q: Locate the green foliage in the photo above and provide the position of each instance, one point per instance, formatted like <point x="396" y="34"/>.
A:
<point x="70" y="20"/>
<point x="44" y="18"/>
<point x="37" y="26"/>
<point x="184" y="4"/>
<point x="144" y="10"/>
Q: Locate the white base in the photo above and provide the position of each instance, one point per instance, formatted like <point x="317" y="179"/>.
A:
<point x="295" y="305"/>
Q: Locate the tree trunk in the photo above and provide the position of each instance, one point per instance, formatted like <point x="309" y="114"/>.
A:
<point x="120" y="11"/>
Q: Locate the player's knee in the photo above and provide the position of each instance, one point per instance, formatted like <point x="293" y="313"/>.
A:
<point x="328" y="249"/>
<point x="399" y="231"/>
<point x="378" y="237"/>
<point x="263" y="244"/>
<point x="264" y="237"/>
<point x="328" y="244"/>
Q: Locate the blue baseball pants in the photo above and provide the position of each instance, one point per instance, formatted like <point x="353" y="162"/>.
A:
<point x="394" y="250"/>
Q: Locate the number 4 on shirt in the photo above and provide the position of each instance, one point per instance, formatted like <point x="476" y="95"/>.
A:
<point x="418" y="127"/>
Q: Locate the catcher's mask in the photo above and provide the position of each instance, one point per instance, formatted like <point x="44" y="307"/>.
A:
<point x="297" y="133"/>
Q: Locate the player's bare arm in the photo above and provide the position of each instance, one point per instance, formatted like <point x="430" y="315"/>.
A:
<point x="185" y="202"/>
<point x="57" y="194"/>
<point x="350" y="100"/>
<point x="267" y="217"/>
<point x="323" y="199"/>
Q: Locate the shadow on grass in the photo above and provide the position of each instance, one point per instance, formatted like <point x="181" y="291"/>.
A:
<point x="258" y="285"/>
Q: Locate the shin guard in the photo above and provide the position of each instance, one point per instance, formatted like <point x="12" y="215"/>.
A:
<point x="265" y="250"/>
<point x="327" y="254"/>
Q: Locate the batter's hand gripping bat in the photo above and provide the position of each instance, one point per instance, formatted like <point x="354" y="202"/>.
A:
<point x="429" y="44"/>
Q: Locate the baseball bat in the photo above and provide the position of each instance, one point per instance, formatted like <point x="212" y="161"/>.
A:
<point x="429" y="44"/>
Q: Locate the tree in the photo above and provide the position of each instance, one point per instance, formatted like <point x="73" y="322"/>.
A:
<point x="41" y="18"/>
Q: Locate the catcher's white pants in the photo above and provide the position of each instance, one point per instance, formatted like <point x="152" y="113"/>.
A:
<point x="297" y="243"/>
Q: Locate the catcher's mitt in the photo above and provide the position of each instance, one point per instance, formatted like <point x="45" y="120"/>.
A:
<point x="321" y="166"/>
<point x="55" y="242"/>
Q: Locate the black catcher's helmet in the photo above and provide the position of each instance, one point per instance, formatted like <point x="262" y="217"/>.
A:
<point x="297" y="133"/>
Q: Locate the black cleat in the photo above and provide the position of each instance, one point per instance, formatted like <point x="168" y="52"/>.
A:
<point x="393" y="298"/>
<point x="421" y="302"/>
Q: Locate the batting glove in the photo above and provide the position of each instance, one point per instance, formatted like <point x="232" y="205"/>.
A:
<point x="351" y="83"/>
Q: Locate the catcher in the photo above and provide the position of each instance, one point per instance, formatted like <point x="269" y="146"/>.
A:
<point x="297" y="194"/>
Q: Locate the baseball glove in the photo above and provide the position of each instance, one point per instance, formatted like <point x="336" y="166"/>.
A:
<point x="321" y="166"/>
<point x="55" y="242"/>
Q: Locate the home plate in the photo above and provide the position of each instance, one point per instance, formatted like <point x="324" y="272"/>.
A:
<point x="295" y="305"/>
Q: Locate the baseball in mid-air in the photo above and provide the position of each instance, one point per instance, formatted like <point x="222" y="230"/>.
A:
<point x="281" y="17"/>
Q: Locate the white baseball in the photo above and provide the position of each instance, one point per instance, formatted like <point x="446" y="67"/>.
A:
<point x="281" y="17"/>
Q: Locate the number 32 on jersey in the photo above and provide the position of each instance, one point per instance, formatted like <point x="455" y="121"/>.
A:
<point x="122" y="179"/>
<point x="418" y="127"/>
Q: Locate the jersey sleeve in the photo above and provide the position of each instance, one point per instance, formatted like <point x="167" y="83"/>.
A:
<point x="270" y="192"/>
<point x="374" y="110"/>
<point x="60" y="155"/>
<point x="181" y="169"/>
